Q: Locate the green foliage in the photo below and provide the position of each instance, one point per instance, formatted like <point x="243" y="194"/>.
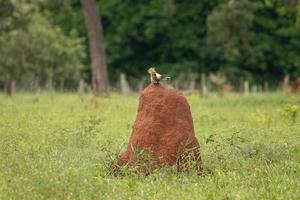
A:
<point x="232" y="38"/>
<point x="254" y="43"/>
<point x="168" y="34"/>
<point x="13" y="52"/>
<point x="39" y="48"/>
<point x="283" y="7"/>
<point x="14" y="14"/>
<point x="298" y="15"/>
<point x="61" y="147"/>
<point x="236" y="38"/>
<point x="290" y="112"/>
<point x="54" y="54"/>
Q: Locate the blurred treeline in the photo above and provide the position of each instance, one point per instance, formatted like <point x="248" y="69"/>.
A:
<point x="44" y="42"/>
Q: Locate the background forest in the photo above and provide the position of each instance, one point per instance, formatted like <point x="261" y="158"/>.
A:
<point x="44" y="43"/>
<point x="76" y="67"/>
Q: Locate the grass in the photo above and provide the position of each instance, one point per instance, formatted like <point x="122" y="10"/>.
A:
<point x="57" y="147"/>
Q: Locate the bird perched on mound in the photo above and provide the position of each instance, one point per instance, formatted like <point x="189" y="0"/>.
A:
<point x="156" y="77"/>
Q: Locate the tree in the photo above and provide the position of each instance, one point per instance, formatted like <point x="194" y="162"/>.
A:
<point x="40" y="51"/>
<point x="230" y="34"/>
<point x="238" y="38"/>
<point x="13" y="19"/>
<point x="298" y="15"/>
<point x="13" y="50"/>
<point x="166" y="33"/>
<point x="277" y="39"/>
<point x="96" y="45"/>
<point x="54" y="56"/>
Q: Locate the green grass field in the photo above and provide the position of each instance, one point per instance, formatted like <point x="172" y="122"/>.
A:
<point x="58" y="147"/>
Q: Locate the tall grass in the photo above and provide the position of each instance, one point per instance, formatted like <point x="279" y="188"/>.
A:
<point x="62" y="146"/>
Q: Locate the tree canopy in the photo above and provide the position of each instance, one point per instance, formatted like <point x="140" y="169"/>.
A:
<point x="241" y="39"/>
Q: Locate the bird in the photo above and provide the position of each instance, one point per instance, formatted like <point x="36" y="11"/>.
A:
<point x="156" y="77"/>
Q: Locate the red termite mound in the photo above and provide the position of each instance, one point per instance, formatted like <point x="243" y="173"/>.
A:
<point x="164" y="129"/>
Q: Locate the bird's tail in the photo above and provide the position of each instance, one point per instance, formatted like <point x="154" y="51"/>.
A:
<point x="164" y="77"/>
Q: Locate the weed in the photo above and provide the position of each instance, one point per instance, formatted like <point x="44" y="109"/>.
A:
<point x="62" y="148"/>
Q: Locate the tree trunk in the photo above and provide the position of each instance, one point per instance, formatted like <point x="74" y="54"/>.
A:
<point x="36" y="84"/>
<point x="192" y="84"/>
<point x="8" y="87"/>
<point x="62" y="84"/>
<point x="13" y="86"/>
<point x="266" y="86"/>
<point x="125" y="88"/>
<point x="204" y="85"/>
<point x="49" y="84"/>
<point x="246" y="87"/>
<point x="141" y="85"/>
<point x="96" y="44"/>
<point x="81" y="87"/>
<point x="286" y="83"/>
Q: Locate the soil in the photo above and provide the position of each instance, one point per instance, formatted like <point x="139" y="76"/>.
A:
<point x="296" y="86"/>
<point x="164" y="130"/>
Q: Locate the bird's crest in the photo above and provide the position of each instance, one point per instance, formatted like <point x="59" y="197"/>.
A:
<point x="151" y="70"/>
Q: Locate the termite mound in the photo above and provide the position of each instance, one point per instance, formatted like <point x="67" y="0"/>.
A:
<point x="164" y="130"/>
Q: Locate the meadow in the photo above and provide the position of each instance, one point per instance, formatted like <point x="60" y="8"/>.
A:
<point x="61" y="146"/>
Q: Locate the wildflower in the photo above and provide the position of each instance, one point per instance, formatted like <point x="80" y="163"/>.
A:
<point x="290" y="111"/>
<point x="261" y="117"/>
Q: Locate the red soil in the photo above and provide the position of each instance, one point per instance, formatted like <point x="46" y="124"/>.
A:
<point x="164" y="129"/>
<point x="296" y="86"/>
